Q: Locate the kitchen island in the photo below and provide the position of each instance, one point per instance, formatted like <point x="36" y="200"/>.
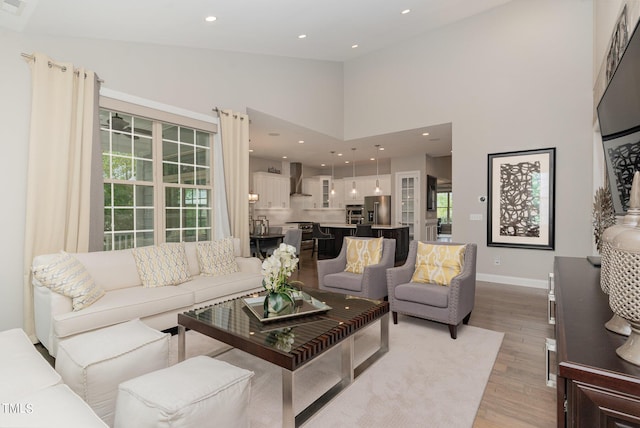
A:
<point x="331" y="249"/>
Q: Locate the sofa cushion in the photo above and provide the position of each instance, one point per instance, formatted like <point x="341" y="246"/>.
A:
<point x="67" y="276"/>
<point x="122" y="305"/>
<point x="362" y="252"/>
<point x="344" y="280"/>
<point x="216" y="257"/>
<point x="22" y="369"/>
<point x="205" y="288"/>
<point x="438" y="264"/>
<point x="427" y="294"/>
<point x="160" y="265"/>
<point x="54" y="407"/>
<point x="111" y="270"/>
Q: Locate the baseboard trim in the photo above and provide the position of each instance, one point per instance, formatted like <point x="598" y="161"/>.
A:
<point x="513" y="280"/>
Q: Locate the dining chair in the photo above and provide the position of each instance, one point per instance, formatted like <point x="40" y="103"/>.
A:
<point x="292" y="237"/>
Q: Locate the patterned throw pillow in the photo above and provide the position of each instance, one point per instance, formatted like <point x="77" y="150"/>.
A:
<point x="216" y="257"/>
<point x="67" y="276"/>
<point x="160" y="265"/>
<point x="438" y="264"/>
<point x="362" y="252"/>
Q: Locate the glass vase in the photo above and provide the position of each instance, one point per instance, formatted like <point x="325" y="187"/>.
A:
<point x="278" y="303"/>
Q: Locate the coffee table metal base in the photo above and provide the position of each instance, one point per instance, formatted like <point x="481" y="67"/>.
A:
<point x="348" y="374"/>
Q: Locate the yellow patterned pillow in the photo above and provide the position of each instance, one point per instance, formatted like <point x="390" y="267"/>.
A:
<point x="67" y="276"/>
<point x="216" y="257"/>
<point x="164" y="264"/>
<point x="438" y="264"/>
<point x="362" y="252"/>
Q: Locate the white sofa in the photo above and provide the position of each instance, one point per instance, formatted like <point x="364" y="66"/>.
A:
<point x="125" y="298"/>
<point x="31" y="391"/>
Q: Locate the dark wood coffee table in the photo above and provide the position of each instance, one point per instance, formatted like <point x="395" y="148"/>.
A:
<point x="301" y="339"/>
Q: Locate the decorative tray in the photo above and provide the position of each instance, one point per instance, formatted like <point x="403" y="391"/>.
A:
<point x="305" y="304"/>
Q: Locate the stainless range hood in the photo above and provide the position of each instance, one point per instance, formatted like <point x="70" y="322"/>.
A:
<point x="296" y="179"/>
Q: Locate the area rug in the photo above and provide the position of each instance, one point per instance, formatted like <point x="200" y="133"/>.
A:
<point x="426" y="378"/>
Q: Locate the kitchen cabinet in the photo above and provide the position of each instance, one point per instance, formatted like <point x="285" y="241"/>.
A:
<point x="273" y="190"/>
<point x="319" y="187"/>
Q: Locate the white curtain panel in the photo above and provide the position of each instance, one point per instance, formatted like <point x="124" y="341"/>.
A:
<point x="64" y="124"/>
<point x="234" y="129"/>
<point x="221" y="226"/>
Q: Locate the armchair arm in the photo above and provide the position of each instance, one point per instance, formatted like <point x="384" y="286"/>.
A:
<point x="402" y="274"/>
<point x="374" y="277"/>
<point x="462" y="290"/>
<point x="374" y="281"/>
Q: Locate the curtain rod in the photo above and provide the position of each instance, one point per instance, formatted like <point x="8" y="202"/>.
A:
<point x="217" y="110"/>
<point x="53" y="64"/>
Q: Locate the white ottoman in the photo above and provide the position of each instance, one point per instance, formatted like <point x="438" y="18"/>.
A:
<point x="93" y="364"/>
<point x="198" y="392"/>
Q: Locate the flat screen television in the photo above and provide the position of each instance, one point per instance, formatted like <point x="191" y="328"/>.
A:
<point x="619" y="117"/>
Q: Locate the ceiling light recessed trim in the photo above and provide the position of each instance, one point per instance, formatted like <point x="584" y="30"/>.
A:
<point x="302" y="36"/>
<point x="210" y="18"/>
<point x="404" y="12"/>
<point x="354" y="46"/>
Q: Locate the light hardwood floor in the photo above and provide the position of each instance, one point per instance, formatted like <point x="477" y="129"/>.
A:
<point x="516" y="394"/>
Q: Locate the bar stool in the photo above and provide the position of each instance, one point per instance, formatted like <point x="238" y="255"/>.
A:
<point x="318" y="235"/>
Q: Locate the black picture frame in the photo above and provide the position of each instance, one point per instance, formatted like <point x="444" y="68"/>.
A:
<point x="521" y="199"/>
<point x="432" y="183"/>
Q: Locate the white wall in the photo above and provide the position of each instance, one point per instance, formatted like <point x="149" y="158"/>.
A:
<point x="193" y="79"/>
<point x="514" y="78"/>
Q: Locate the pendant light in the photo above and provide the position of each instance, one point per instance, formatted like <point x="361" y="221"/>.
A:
<point x="333" y="190"/>
<point x="354" y="191"/>
<point x="377" y="190"/>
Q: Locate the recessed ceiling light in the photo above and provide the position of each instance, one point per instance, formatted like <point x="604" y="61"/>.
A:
<point x="354" y="46"/>
<point x="339" y="154"/>
<point x="372" y="158"/>
<point x="346" y="161"/>
<point x="302" y="36"/>
<point x="404" y="12"/>
<point x="210" y="18"/>
<point x="284" y="157"/>
<point x="381" y="148"/>
<point x="250" y="150"/>
<point x="301" y="142"/>
<point x="425" y="133"/>
<point x="322" y="164"/>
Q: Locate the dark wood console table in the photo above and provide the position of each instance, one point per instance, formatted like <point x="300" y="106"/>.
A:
<point x="596" y="388"/>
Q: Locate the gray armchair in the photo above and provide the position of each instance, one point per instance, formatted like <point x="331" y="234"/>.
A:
<point x="445" y="304"/>
<point x="372" y="283"/>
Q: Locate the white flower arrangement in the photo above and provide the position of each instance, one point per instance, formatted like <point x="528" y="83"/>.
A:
<point x="277" y="268"/>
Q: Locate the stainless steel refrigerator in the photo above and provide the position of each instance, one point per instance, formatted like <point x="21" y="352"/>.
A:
<point x="377" y="210"/>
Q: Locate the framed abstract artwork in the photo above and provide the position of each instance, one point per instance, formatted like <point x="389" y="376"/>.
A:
<point x="521" y="199"/>
<point x="622" y="157"/>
